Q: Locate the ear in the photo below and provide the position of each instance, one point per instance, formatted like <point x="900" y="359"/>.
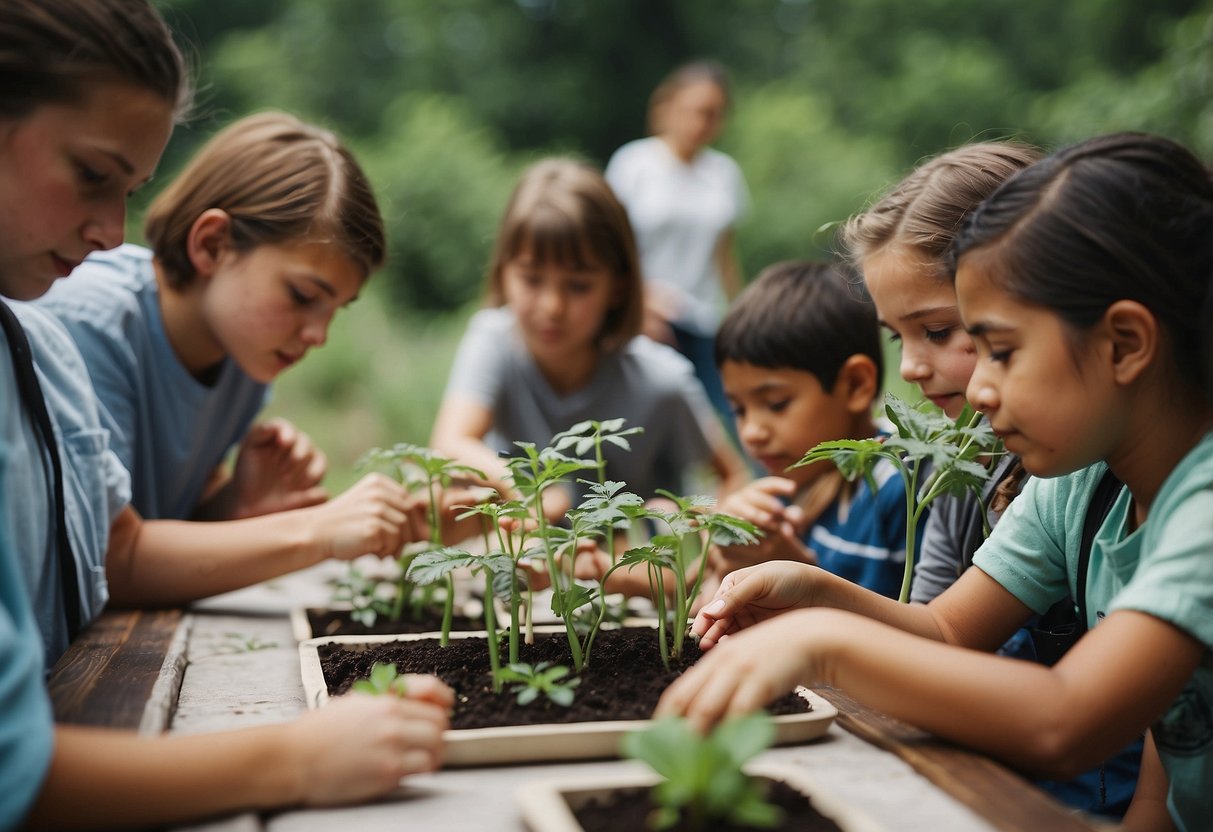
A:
<point x="1132" y="332"/>
<point x="208" y="240"/>
<point x="857" y="383"/>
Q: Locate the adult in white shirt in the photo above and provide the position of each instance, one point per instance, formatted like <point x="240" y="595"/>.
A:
<point x="684" y="200"/>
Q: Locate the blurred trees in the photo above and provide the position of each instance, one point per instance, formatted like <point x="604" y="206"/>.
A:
<point x="835" y="99"/>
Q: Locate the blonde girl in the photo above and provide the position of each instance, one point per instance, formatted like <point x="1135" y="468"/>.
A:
<point x="89" y="90"/>
<point x="559" y="343"/>
<point x="1082" y="281"/>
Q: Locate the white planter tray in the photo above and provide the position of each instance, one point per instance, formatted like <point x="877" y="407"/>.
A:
<point x="549" y="805"/>
<point x="534" y="743"/>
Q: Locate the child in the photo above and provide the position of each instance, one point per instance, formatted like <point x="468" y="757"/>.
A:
<point x="559" y="345"/>
<point x="265" y="234"/>
<point x="901" y="245"/>
<point x="89" y="90"/>
<point x="1082" y="281"/>
<point x="801" y="361"/>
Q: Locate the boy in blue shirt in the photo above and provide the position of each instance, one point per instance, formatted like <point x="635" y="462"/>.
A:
<point x="801" y="360"/>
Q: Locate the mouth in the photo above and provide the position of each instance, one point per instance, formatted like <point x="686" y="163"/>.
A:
<point x="942" y="400"/>
<point x="775" y="464"/>
<point x="287" y="359"/>
<point x="63" y="266"/>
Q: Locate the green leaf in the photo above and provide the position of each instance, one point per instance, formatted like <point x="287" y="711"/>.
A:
<point x="430" y="567"/>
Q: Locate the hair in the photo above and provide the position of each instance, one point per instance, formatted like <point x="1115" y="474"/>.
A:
<point x="924" y="211"/>
<point x="279" y="180"/>
<point x="804" y="315"/>
<point x="1128" y="216"/>
<point x="682" y="77"/>
<point x="562" y="211"/>
<point x="57" y="51"/>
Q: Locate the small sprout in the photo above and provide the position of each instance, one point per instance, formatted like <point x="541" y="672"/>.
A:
<point x="383" y="680"/>
<point x="542" y="678"/>
<point x="704" y="785"/>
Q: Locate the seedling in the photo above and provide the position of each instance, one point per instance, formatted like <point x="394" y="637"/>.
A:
<point x="684" y="552"/>
<point x="929" y="447"/>
<point x="383" y="680"/>
<point x="546" y="678"/>
<point x="417" y="467"/>
<point x="704" y="785"/>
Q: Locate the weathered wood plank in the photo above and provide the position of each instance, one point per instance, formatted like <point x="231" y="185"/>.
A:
<point x="999" y="795"/>
<point x="107" y="677"/>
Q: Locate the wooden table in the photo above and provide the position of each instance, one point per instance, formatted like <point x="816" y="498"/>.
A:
<point x="232" y="662"/>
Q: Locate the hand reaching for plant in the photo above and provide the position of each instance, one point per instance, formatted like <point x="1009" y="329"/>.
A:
<point x="749" y="596"/>
<point x="360" y="746"/>
<point x="277" y="469"/>
<point x="763" y="503"/>
<point x="375" y="516"/>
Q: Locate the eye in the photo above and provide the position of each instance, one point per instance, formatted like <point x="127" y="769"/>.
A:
<point x="738" y="410"/>
<point x="893" y="337"/>
<point x="938" y="336"/>
<point x="779" y="405"/>
<point x="90" y="176"/>
<point x="579" y="287"/>
<point x="299" y="298"/>
<point x="1000" y="356"/>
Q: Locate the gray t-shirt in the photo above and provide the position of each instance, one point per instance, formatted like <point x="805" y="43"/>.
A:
<point x="96" y="486"/>
<point x="646" y="383"/>
<point x="169" y="429"/>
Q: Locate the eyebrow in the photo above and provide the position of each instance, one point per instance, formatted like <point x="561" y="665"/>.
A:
<point x="922" y="313"/>
<point x="985" y="327"/>
<point x="122" y="162"/>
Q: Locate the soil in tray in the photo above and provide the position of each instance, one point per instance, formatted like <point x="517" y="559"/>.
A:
<point x="630" y="808"/>
<point x="326" y="622"/>
<point x="624" y="679"/>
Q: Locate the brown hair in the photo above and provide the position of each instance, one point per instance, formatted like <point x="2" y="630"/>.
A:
<point x="279" y="180"/>
<point x="925" y="210"/>
<point x="682" y="77"/>
<point x="54" y="51"/>
<point x="562" y="211"/>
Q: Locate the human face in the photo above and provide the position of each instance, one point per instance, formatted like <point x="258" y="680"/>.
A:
<point x="268" y="306"/>
<point x="66" y="171"/>
<point x="919" y="311"/>
<point x="1035" y="382"/>
<point x="560" y="310"/>
<point x="691" y="119"/>
<point x="782" y="413"/>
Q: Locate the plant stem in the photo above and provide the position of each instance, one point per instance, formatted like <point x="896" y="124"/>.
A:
<point x="448" y="610"/>
<point x="911" y="480"/>
<point x="490" y="626"/>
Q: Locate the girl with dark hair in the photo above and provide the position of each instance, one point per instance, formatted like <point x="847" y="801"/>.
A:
<point x="89" y="90"/>
<point x="1081" y="281"/>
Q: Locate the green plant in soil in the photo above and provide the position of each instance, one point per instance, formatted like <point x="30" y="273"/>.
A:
<point x="935" y="455"/>
<point x="383" y="680"/>
<point x="684" y="553"/>
<point x="703" y="784"/>
<point x="544" y="678"/>
<point x="416" y="468"/>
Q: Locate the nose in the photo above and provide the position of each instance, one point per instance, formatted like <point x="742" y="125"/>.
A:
<point x="316" y="330"/>
<point x="913" y="367"/>
<point x="752" y="432"/>
<point x="981" y="392"/>
<point x="106" y="228"/>
<point x="551" y="302"/>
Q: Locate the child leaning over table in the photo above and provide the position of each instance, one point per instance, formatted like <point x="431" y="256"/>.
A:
<point x="800" y="357"/>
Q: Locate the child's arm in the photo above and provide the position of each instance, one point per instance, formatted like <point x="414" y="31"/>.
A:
<point x="157" y="562"/>
<point x="1148" y="811"/>
<point x="355" y="748"/>
<point x="1055" y="721"/>
<point x="459" y="431"/>
<point x="278" y="468"/>
<point x="782" y="525"/>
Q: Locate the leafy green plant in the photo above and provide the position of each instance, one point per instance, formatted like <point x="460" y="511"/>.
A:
<point x="416" y="468"/>
<point x="704" y="785"/>
<point x="935" y="455"/>
<point x="544" y="678"/>
<point x="383" y="680"/>
<point x="684" y="552"/>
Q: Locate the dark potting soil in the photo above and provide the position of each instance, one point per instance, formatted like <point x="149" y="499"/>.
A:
<point x="326" y="622"/>
<point x="630" y="809"/>
<point x="624" y="679"/>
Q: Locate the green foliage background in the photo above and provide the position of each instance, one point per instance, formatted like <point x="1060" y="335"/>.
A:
<point x="835" y="100"/>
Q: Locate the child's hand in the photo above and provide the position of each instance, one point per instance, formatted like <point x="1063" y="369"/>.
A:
<point x="782" y="525"/>
<point x="752" y="595"/>
<point x="360" y="746"/>
<point x="277" y="469"/>
<point x="744" y="673"/>
<point x="375" y="516"/>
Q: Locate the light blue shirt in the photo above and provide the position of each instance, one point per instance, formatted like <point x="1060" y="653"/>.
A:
<point x="1164" y="568"/>
<point x="96" y="486"/>
<point x="170" y="430"/>
<point x="26" y="727"/>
